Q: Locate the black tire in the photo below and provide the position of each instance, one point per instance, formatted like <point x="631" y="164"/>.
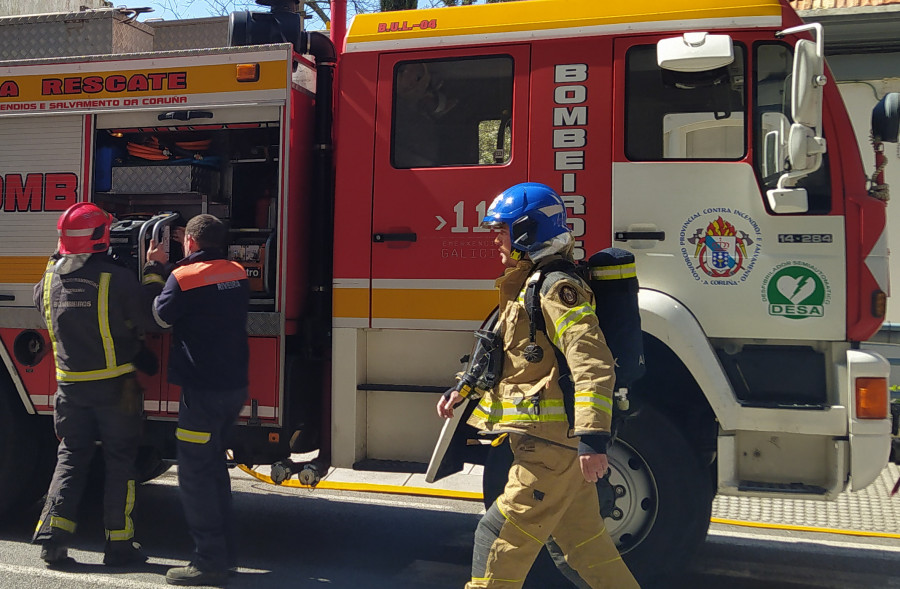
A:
<point x="26" y="452"/>
<point x="665" y="497"/>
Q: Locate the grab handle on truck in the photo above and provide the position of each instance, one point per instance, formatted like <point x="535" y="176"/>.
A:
<point x="155" y="226"/>
<point x="185" y="115"/>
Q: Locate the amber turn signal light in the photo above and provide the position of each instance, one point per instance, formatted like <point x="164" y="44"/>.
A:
<point x="247" y="72"/>
<point x="871" y="398"/>
<point x="879" y="304"/>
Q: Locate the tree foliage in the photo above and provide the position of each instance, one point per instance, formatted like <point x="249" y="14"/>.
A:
<point x="181" y="8"/>
<point x="320" y="7"/>
<point x="387" y="5"/>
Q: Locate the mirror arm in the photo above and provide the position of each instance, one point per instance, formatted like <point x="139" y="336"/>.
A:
<point x="819" y="37"/>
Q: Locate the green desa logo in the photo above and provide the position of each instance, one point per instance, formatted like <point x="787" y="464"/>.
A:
<point x="796" y="290"/>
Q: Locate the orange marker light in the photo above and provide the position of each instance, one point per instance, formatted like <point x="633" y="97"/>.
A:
<point x="871" y="398"/>
<point x="879" y="303"/>
<point x="274" y="437"/>
<point x="247" y="72"/>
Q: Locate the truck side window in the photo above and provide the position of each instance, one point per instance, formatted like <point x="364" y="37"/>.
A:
<point x="684" y="116"/>
<point x="452" y="112"/>
<point x="772" y="120"/>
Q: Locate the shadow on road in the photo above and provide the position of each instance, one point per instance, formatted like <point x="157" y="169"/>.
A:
<point x="296" y="538"/>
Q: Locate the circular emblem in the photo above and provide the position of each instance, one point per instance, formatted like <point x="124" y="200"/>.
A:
<point x="568" y="295"/>
<point x="720" y="246"/>
<point x="796" y="290"/>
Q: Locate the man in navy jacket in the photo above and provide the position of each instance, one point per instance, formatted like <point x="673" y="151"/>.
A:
<point x="205" y="302"/>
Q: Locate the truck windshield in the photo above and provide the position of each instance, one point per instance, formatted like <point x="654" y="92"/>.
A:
<point x="679" y="115"/>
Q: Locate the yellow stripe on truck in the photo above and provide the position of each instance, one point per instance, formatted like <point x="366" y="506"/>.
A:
<point x="22" y="269"/>
<point x="429" y="304"/>
<point x="166" y="81"/>
<point x="465" y="305"/>
<point x="549" y="15"/>
<point x="351" y="302"/>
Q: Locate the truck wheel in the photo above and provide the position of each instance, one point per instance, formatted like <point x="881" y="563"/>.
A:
<point x="21" y="446"/>
<point x="662" y="496"/>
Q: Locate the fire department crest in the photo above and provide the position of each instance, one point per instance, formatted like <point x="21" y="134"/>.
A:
<point x="719" y="249"/>
<point x="568" y="295"/>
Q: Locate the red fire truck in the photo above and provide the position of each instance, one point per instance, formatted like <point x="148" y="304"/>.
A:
<point x="702" y="136"/>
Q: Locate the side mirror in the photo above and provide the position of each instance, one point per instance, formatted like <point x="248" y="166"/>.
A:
<point x="694" y="52"/>
<point x="804" y="146"/>
<point x="775" y="128"/>
<point x="886" y="119"/>
<point x="805" y="149"/>
<point x="806" y="85"/>
<point x="804" y="152"/>
<point x="788" y="200"/>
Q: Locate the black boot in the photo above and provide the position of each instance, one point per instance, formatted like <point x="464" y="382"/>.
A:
<point x="123" y="553"/>
<point x="55" y="554"/>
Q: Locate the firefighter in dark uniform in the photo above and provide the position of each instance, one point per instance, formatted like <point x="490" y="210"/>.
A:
<point x="205" y="302"/>
<point x="558" y="443"/>
<point x="94" y="311"/>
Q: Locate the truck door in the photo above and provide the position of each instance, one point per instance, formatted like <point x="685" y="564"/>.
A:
<point x="451" y="133"/>
<point x="692" y="163"/>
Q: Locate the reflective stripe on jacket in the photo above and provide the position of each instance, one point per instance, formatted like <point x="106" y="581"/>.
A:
<point x="94" y="315"/>
<point x="529" y="398"/>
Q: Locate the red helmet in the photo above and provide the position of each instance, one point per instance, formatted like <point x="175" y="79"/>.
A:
<point x="83" y="229"/>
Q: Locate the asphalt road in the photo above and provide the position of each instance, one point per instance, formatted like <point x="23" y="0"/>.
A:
<point x="339" y="540"/>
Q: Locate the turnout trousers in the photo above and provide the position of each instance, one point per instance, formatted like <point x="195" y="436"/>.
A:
<point x="109" y="411"/>
<point x="546" y="497"/>
<point x="205" y="419"/>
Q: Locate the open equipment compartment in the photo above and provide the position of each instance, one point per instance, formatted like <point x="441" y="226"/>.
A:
<point x="154" y="173"/>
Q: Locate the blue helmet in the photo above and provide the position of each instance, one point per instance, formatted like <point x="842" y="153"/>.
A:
<point x="534" y="213"/>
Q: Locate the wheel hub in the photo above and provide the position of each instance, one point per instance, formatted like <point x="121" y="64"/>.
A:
<point x="628" y="497"/>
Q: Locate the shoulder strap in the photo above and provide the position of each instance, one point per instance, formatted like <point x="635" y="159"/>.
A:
<point x="536" y="319"/>
<point x="533" y="292"/>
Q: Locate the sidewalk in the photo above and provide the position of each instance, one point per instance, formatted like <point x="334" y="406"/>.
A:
<point x="870" y="512"/>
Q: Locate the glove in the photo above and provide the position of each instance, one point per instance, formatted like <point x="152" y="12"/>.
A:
<point x="145" y="361"/>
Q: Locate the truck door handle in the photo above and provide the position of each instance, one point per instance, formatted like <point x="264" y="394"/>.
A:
<point x="184" y="115"/>
<point x="384" y="237"/>
<point x="632" y="235"/>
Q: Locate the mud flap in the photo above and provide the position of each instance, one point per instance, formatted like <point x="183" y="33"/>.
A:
<point x="458" y="444"/>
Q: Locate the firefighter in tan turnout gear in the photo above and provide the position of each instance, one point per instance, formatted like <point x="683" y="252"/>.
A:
<point x="558" y="432"/>
<point x="94" y="310"/>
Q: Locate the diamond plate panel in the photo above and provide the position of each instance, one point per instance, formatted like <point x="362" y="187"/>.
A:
<point x="869" y="510"/>
<point x="164" y="180"/>
<point x="94" y="32"/>
<point x="264" y="323"/>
